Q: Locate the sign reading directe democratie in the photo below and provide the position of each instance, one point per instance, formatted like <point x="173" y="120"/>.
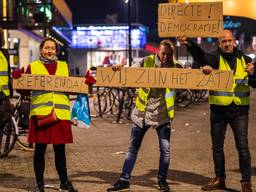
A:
<point x="204" y="19"/>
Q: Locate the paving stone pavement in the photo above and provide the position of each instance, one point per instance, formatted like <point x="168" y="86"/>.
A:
<point x="96" y="157"/>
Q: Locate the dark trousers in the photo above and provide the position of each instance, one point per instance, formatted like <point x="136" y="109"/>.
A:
<point x="238" y="121"/>
<point x="60" y="162"/>
<point x="137" y="136"/>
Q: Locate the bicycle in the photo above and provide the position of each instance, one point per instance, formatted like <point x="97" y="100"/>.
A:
<point x="14" y="126"/>
<point x="21" y="115"/>
<point x="8" y="132"/>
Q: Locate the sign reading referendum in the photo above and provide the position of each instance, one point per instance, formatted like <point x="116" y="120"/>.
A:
<point x="190" y="19"/>
<point x="51" y="83"/>
<point x="164" y="77"/>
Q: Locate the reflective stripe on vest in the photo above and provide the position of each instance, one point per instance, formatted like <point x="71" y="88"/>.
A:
<point x="229" y="94"/>
<point x="241" y="81"/>
<point x="3" y="73"/>
<point x="43" y="102"/>
<point x="142" y="98"/>
<point x="50" y="104"/>
<point x="240" y="92"/>
<point x="4" y="79"/>
<point x="37" y="93"/>
<point x="5" y="87"/>
<point x="171" y="108"/>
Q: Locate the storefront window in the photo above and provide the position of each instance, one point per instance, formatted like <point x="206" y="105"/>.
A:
<point x="35" y="13"/>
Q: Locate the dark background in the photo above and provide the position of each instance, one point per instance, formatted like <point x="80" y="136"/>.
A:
<point x="95" y="11"/>
<point x="142" y="11"/>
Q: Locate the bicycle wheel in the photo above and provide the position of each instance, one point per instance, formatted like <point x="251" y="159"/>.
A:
<point x="22" y="142"/>
<point x="183" y="98"/>
<point x="97" y="104"/>
<point x="22" y="136"/>
<point x="8" y="128"/>
<point x="110" y="101"/>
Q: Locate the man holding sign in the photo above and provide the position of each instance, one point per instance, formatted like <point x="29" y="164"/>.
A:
<point x="154" y="108"/>
<point x="228" y="107"/>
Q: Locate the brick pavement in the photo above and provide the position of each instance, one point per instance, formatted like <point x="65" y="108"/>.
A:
<point x="96" y="157"/>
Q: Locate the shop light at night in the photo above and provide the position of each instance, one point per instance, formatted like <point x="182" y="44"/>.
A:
<point x="108" y="37"/>
<point x="103" y="37"/>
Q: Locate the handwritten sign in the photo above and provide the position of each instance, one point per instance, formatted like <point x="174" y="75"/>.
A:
<point x="190" y="19"/>
<point x="51" y="83"/>
<point x="164" y="77"/>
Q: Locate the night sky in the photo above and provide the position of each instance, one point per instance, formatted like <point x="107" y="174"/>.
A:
<point x="95" y="11"/>
<point x="142" y="11"/>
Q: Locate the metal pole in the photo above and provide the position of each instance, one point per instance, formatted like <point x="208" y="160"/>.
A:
<point x="5" y="31"/>
<point x="129" y="33"/>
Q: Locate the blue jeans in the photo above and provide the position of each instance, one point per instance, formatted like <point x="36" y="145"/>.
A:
<point x="238" y="121"/>
<point x="137" y="136"/>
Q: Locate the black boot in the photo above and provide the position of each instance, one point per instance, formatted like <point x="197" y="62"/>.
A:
<point x="163" y="185"/>
<point x="40" y="187"/>
<point x="119" y="185"/>
<point x="246" y="186"/>
<point x="67" y="187"/>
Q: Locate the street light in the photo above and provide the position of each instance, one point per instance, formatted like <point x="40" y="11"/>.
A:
<point x="128" y="2"/>
<point x="129" y="33"/>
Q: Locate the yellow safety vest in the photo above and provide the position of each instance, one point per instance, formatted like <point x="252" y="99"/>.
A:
<point x="240" y="91"/>
<point x="142" y="98"/>
<point x="42" y="102"/>
<point x="4" y="79"/>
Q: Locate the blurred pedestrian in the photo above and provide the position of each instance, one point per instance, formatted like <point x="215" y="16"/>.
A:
<point x="154" y="108"/>
<point x="227" y="106"/>
<point x="49" y="117"/>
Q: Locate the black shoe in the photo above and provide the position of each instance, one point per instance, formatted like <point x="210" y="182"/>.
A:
<point x="215" y="183"/>
<point x="67" y="187"/>
<point x="246" y="186"/>
<point x="163" y="185"/>
<point x="119" y="185"/>
<point x="39" y="188"/>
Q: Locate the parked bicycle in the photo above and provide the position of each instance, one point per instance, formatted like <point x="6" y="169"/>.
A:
<point x="8" y="132"/>
<point x="21" y="114"/>
<point x="14" y="126"/>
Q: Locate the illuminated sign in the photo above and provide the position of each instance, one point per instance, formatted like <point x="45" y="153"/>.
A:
<point x="230" y="24"/>
<point x="106" y="37"/>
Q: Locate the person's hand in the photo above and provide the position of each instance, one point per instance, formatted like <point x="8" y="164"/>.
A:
<point x="89" y="79"/>
<point x="118" y="67"/>
<point x="249" y="69"/>
<point x="74" y="122"/>
<point x="17" y="73"/>
<point x="182" y="39"/>
<point x="207" y="69"/>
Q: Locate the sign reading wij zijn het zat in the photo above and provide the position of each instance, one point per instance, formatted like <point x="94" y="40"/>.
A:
<point x="164" y="77"/>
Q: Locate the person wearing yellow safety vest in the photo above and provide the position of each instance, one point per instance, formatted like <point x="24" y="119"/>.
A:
<point x="6" y="90"/>
<point x="48" y="104"/>
<point x="227" y="106"/>
<point x="154" y="108"/>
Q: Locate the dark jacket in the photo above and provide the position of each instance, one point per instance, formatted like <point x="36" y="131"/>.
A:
<point x="202" y="58"/>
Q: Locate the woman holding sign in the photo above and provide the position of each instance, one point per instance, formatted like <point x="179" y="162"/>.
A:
<point x="49" y="117"/>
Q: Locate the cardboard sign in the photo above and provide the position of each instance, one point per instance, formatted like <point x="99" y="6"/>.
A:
<point x="164" y="77"/>
<point x="190" y="19"/>
<point x="51" y="83"/>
